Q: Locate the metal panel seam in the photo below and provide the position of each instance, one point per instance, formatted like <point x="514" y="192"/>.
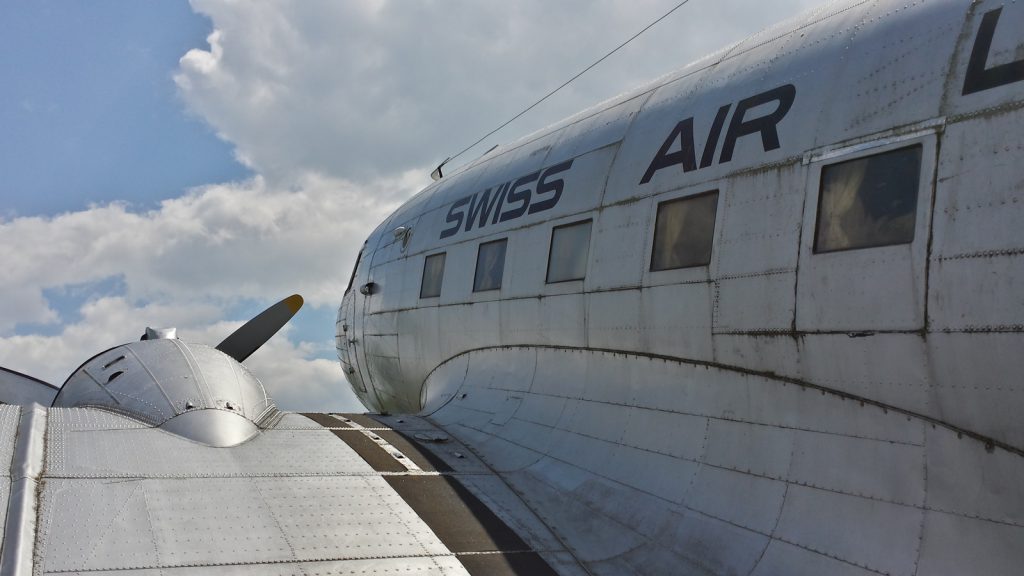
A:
<point x="156" y="381"/>
<point x="989" y="442"/>
<point x="924" y="516"/>
<point x="22" y="508"/>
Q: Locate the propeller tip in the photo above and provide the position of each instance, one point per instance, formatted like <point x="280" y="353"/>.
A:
<point x="241" y="343"/>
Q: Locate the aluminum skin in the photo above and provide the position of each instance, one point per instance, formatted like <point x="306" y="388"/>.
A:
<point x="783" y="409"/>
<point x="189" y="389"/>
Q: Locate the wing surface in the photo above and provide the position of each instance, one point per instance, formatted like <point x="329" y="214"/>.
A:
<point x="100" y="493"/>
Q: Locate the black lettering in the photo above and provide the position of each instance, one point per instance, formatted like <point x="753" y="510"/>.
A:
<point x="686" y="155"/>
<point x="454" y="217"/>
<point x="521" y="196"/>
<point x="978" y="78"/>
<point x="481" y="208"/>
<point x="543" y="187"/>
<point x="716" y="130"/>
<point x="486" y="206"/>
<point x="767" y="125"/>
<point x="501" y="200"/>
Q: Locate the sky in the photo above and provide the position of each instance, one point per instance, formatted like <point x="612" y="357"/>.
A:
<point x="189" y="164"/>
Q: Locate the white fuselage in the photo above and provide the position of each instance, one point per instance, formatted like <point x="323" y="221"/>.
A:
<point x="762" y="316"/>
<point x="924" y="316"/>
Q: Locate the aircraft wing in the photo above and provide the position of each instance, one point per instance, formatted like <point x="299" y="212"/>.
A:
<point x="18" y="388"/>
<point x="163" y="457"/>
<point x="96" y="492"/>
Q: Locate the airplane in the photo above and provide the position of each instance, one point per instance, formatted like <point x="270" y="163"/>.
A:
<point x="760" y="316"/>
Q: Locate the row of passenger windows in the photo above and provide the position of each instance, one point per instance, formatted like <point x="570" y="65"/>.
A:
<point x="863" y="203"/>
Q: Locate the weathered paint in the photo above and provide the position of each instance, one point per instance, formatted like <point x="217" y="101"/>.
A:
<point x="837" y="391"/>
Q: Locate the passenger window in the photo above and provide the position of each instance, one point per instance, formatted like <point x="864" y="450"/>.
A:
<point x="490" y="265"/>
<point x="869" y="201"/>
<point x="684" y="231"/>
<point x="570" y="246"/>
<point x="433" y="275"/>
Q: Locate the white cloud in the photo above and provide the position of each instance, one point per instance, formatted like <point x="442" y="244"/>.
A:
<point x="359" y="90"/>
<point x="300" y="383"/>
<point x="292" y="374"/>
<point x="219" y="243"/>
<point x="342" y="109"/>
<point x="105" y="322"/>
<point x="185" y="264"/>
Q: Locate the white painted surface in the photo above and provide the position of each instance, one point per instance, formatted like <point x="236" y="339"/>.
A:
<point x="121" y="498"/>
<point x="806" y="481"/>
<point x="778" y="411"/>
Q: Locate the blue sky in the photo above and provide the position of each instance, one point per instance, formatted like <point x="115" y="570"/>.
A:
<point x="89" y="109"/>
<point x="91" y="115"/>
<point x="165" y="163"/>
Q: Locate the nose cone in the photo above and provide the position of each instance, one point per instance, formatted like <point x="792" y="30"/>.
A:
<point x="191" y="390"/>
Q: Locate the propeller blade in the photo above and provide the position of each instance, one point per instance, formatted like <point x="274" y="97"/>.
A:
<point x="18" y="388"/>
<point x="247" y="339"/>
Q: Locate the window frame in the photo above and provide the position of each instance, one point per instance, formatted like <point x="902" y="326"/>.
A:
<point x="423" y="276"/>
<point x="352" y="278"/>
<point x="846" y="282"/>
<point x="551" y="248"/>
<point x="476" y="268"/>
<point x="922" y="178"/>
<point x="714" y="230"/>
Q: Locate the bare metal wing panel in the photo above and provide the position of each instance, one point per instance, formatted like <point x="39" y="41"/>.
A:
<point x="119" y="496"/>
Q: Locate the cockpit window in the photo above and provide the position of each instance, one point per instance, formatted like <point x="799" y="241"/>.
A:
<point x="869" y="202"/>
<point x="570" y="246"/>
<point x="490" y="265"/>
<point x="433" y="275"/>
<point x="684" y="232"/>
<point x="352" y="278"/>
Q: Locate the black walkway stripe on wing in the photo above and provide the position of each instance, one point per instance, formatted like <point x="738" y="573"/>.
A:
<point x="326" y="420"/>
<point x="364" y="420"/>
<point x="425" y="459"/>
<point x="460" y="520"/>
<point x="506" y="564"/>
<point x="482" y="542"/>
<point x="368" y="450"/>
